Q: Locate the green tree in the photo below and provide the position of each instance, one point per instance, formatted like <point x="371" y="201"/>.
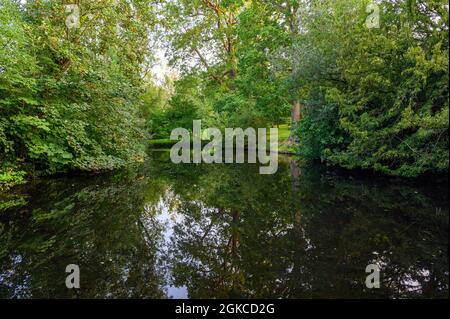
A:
<point x="70" y="98"/>
<point x="377" y="98"/>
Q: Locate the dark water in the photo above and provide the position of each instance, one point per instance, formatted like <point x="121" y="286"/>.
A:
<point x="205" y="231"/>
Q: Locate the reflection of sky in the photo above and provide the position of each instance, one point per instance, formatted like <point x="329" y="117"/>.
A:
<point x="177" y="292"/>
<point x="168" y="217"/>
<point x="21" y="289"/>
<point x="410" y="284"/>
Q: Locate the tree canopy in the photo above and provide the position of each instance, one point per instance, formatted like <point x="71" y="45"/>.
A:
<point x="365" y="84"/>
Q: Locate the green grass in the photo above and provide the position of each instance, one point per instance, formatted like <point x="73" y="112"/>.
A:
<point x="284" y="147"/>
<point x="168" y="143"/>
<point x="284" y="132"/>
<point x="161" y="143"/>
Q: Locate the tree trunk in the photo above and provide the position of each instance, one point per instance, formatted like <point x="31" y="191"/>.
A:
<point x="295" y="119"/>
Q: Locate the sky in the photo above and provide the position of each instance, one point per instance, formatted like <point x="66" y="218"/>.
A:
<point x="161" y="66"/>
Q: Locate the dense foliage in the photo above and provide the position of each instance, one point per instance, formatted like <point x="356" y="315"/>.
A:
<point x="372" y="96"/>
<point x="360" y="96"/>
<point x="69" y="97"/>
<point x="379" y="98"/>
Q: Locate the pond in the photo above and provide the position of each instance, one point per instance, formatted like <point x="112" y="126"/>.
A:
<point x="162" y="230"/>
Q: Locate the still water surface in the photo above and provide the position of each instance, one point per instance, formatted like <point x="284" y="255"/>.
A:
<point x="223" y="231"/>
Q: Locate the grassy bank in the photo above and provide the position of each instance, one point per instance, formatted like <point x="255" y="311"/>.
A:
<point x="284" y="145"/>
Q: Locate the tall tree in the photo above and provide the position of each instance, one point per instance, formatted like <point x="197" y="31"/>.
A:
<point x="82" y="64"/>
<point x="202" y="35"/>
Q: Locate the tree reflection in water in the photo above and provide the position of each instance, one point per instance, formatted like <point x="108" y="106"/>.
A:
<point x="224" y="231"/>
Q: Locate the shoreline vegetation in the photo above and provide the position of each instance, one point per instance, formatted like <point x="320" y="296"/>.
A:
<point x="84" y="97"/>
<point x="285" y="146"/>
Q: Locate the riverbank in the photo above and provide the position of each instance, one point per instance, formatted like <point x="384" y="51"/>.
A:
<point x="284" y="145"/>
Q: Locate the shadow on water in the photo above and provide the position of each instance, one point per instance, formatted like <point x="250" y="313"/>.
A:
<point x="202" y="231"/>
